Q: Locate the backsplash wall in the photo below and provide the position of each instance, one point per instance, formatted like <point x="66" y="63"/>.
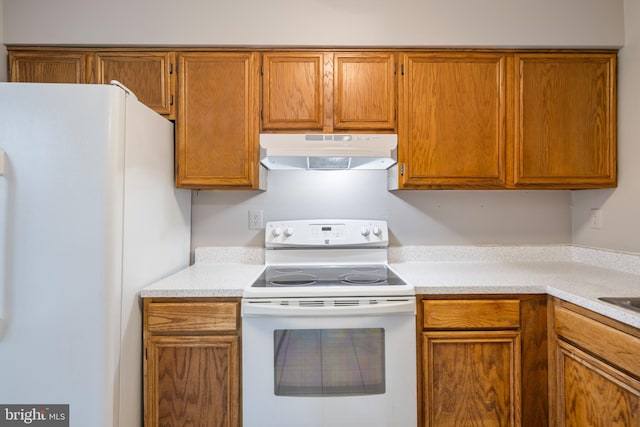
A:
<point x="221" y="218"/>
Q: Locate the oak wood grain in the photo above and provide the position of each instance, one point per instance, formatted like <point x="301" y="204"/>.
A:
<point x="217" y="122"/>
<point x="147" y="74"/>
<point x="452" y="128"/>
<point x="617" y="347"/>
<point x="192" y="363"/>
<point x="195" y="381"/>
<point x="565" y="120"/>
<point x="471" y="314"/>
<point x="191" y="317"/>
<point x="364" y="87"/>
<point x="471" y="378"/>
<point x="48" y="67"/>
<point x="293" y="90"/>
<point x="592" y="393"/>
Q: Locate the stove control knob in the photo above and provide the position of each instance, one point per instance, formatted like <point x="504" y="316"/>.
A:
<point x="288" y="231"/>
<point x="365" y="231"/>
<point x="276" y="232"/>
<point x="377" y="231"/>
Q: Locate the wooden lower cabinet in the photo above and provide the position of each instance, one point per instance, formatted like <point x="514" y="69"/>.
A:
<point x="483" y="362"/>
<point x="471" y="378"/>
<point x="192" y="363"/>
<point x="595" y="370"/>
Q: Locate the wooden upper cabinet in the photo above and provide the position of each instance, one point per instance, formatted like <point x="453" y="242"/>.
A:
<point x="565" y="120"/>
<point x="217" y="121"/>
<point x="149" y="75"/>
<point x="452" y="126"/>
<point x="327" y="91"/>
<point x="364" y="91"/>
<point x="293" y="91"/>
<point x="48" y="67"/>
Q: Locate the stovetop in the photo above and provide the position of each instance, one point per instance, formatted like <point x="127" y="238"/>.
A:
<point x="328" y="275"/>
<point x="327" y="258"/>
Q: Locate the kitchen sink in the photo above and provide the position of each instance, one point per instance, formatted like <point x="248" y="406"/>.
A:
<point x="629" y="303"/>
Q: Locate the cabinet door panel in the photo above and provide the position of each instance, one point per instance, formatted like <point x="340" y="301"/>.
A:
<point x="216" y="125"/>
<point x="452" y="127"/>
<point x="592" y="393"/>
<point x="47" y="67"/>
<point x="364" y="91"/>
<point x="193" y="381"/>
<point x="565" y="120"/>
<point x="293" y="91"/>
<point x="471" y="378"/>
<point x="147" y="74"/>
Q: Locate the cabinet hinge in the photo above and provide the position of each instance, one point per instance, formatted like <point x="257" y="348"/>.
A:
<point x="170" y="68"/>
<point x="401" y="169"/>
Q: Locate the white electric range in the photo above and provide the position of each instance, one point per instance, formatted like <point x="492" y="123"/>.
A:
<point x="328" y="330"/>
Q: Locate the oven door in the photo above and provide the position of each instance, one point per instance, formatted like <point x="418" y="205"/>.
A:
<point x="329" y="362"/>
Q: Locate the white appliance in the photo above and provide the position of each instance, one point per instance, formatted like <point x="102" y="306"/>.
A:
<point x="328" y="330"/>
<point x="328" y="151"/>
<point x="89" y="215"/>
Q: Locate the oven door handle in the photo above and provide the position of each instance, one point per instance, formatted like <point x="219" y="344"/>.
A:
<point x="283" y="308"/>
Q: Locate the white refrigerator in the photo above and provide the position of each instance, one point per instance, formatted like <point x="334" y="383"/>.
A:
<point x="89" y="215"/>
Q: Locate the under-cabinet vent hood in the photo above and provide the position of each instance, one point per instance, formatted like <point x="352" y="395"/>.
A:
<point x="328" y="151"/>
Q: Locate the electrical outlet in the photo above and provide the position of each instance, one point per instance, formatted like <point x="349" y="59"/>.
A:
<point x="596" y="218"/>
<point x="256" y="219"/>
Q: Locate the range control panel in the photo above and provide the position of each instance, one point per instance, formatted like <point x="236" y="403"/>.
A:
<point x="326" y="233"/>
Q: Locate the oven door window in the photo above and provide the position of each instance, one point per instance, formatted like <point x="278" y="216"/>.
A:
<point x="329" y="362"/>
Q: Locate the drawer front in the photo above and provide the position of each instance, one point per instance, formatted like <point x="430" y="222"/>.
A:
<point x="471" y="314"/>
<point x="192" y="317"/>
<point x="617" y="347"/>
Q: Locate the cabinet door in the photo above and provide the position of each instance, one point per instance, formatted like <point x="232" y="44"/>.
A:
<point x="471" y="378"/>
<point x="147" y="74"/>
<point x="293" y="88"/>
<point x="48" y="67"/>
<point x="592" y="393"/>
<point x="452" y="121"/>
<point x="565" y="121"/>
<point x="192" y="381"/>
<point x="364" y="91"/>
<point x="217" y="127"/>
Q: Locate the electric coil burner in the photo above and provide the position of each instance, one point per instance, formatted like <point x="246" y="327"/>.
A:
<point x="327" y="258"/>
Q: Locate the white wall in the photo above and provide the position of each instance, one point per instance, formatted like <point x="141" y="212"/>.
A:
<point x="317" y="22"/>
<point x="620" y="207"/>
<point x="3" y="50"/>
<point x="220" y="218"/>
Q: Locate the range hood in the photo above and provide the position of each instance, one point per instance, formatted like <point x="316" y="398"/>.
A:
<point x="328" y="151"/>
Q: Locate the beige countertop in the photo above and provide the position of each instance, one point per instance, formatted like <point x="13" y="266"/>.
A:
<point x="575" y="274"/>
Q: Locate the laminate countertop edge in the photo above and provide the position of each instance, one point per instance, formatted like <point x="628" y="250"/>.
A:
<point x="560" y="271"/>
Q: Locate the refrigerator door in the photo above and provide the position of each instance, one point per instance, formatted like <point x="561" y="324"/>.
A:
<point x="66" y="255"/>
<point x="61" y="186"/>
